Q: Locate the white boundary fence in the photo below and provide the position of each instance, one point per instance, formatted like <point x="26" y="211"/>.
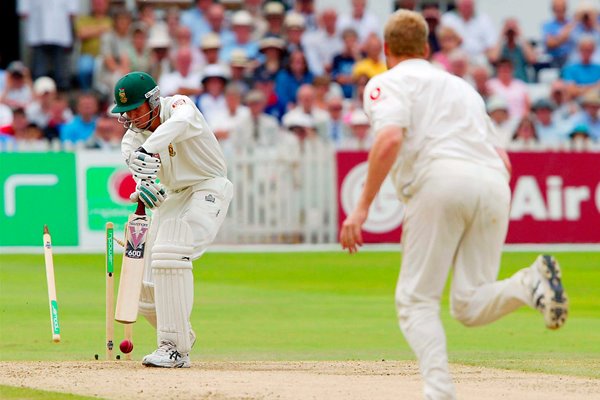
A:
<point x="282" y="197"/>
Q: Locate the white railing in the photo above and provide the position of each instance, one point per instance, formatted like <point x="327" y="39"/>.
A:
<point x="282" y="196"/>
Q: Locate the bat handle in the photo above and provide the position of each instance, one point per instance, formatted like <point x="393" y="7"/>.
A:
<point x="141" y="209"/>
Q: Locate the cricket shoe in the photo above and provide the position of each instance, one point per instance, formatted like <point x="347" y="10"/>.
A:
<point x="167" y="356"/>
<point x="548" y="294"/>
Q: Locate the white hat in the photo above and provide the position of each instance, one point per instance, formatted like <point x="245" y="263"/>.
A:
<point x="358" y="117"/>
<point x="215" y="71"/>
<point x="274" y="8"/>
<point x="210" y="41"/>
<point x="159" y="37"/>
<point x="243" y="18"/>
<point x="238" y="58"/>
<point x="44" y="84"/>
<point x="294" y="20"/>
<point x="496" y="103"/>
<point x="295" y="118"/>
<point x="271" y="42"/>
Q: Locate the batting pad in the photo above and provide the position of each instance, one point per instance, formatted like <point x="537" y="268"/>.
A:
<point x="173" y="282"/>
<point x="146" y="304"/>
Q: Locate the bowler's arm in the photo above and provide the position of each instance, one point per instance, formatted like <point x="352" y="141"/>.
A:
<point x="382" y="156"/>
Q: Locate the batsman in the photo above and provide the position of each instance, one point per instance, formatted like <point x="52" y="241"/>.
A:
<point x="181" y="176"/>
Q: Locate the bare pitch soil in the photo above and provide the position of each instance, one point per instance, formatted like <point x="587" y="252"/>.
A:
<point x="285" y="380"/>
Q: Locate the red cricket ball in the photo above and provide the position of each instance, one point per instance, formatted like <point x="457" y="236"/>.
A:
<point x="126" y="346"/>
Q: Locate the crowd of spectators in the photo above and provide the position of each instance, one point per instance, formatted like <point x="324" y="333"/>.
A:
<point x="278" y="71"/>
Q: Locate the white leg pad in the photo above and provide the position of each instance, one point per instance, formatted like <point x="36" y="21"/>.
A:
<point x="146" y="305"/>
<point x="173" y="283"/>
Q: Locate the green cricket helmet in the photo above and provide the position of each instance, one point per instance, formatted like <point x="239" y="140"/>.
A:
<point x="133" y="89"/>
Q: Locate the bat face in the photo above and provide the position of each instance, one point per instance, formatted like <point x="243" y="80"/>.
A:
<point x="132" y="269"/>
<point x="137" y="228"/>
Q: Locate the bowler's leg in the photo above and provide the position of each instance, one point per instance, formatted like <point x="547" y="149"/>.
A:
<point x="431" y="231"/>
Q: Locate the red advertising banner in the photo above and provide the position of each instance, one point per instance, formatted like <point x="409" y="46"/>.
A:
<point x="555" y="198"/>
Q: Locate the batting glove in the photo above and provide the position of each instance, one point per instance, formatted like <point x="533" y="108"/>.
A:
<point x="142" y="165"/>
<point x="151" y="193"/>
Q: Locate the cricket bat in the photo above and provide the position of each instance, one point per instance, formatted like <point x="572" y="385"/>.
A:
<point x="132" y="268"/>
<point x="54" y="326"/>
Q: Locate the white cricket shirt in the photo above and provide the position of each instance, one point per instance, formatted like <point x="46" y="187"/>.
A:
<point x="187" y="147"/>
<point x="444" y="117"/>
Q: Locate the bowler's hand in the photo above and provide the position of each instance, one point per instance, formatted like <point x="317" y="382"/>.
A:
<point x="350" y="234"/>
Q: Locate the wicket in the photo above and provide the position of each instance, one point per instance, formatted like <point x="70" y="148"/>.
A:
<point x="54" y="326"/>
<point x="110" y="295"/>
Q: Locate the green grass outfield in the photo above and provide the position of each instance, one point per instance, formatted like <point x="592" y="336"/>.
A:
<point x="296" y="306"/>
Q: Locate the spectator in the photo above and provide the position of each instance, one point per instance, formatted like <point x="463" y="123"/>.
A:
<point x="479" y="77"/>
<point x="195" y="19"/>
<point x="18" y="124"/>
<point x="17" y="91"/>
<point x="182" y="80"/>
<point x="273" y="49"/>
<point x="211" y="46"/>
<point x="336" y="129"/>
<point x="449" y="40"/>
<point x="89" y="29"/>
<point x="550" y="131"/>
<point x="360" y="138"/>
<point x="159" y="43"/>
<point x="586" y="25"/>
<point x="114" y="51"/>
<point x="525" y="132"/>
<point x="107" y="135"/>
<point x="263" y="128"/>
<point x="373" y="63"/>
<point x="324" y="88"/>
<point x="231" y="124"/>
<point x="588" y="116"/>
<point x="139" y="53"/>
<point x="216" y="20"/>
<point x="6" y="115"/>
<point x="289" y="79"/>
<point x="515" y="48"/>
<point x="323" y="44"/>
<point x="565" y="106"/>
<point x="47" y="110"/>
<point x="266" y="84"/>
<point x="512" y="89"/>
<point x="557" y="34"/>
<point x="183" y="38"/>
<point x="212" y="101"/>
<point x="49" y="35"/>
<point x="497" y="109"/>
<point x="364" y="22"/>
<point x="83" y="125"/>
<point x="172" y="19"/>
<point x="306" y="8"/>
<point x="242" y="26"/>
<point x="343" y="63"/>
<point x="306" y="105"/>
<point x="476" y="29"/>
<point x="431" y="13"/>
<point x="584" y="75"/>
<point x="580" y="135"/>
<point x="302" y="127"/>
<point x="274" y="13"/>
<point x="294" y="27"/>
<point x="239" y="65"/>
<point x="255" y="8"/>
<point x="459" y="63"/>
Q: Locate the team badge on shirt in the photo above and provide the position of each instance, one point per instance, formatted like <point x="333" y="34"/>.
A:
<point x="375" y="94"/>
<point x="172" y="150"/>
<point x="177" y="103"/>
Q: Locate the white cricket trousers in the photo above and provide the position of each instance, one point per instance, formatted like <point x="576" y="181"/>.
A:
<point x="457" y="217"/>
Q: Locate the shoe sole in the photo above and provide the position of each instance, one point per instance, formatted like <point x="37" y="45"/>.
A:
<point x="179" y="365"/>
<point x="556" y="303"/>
